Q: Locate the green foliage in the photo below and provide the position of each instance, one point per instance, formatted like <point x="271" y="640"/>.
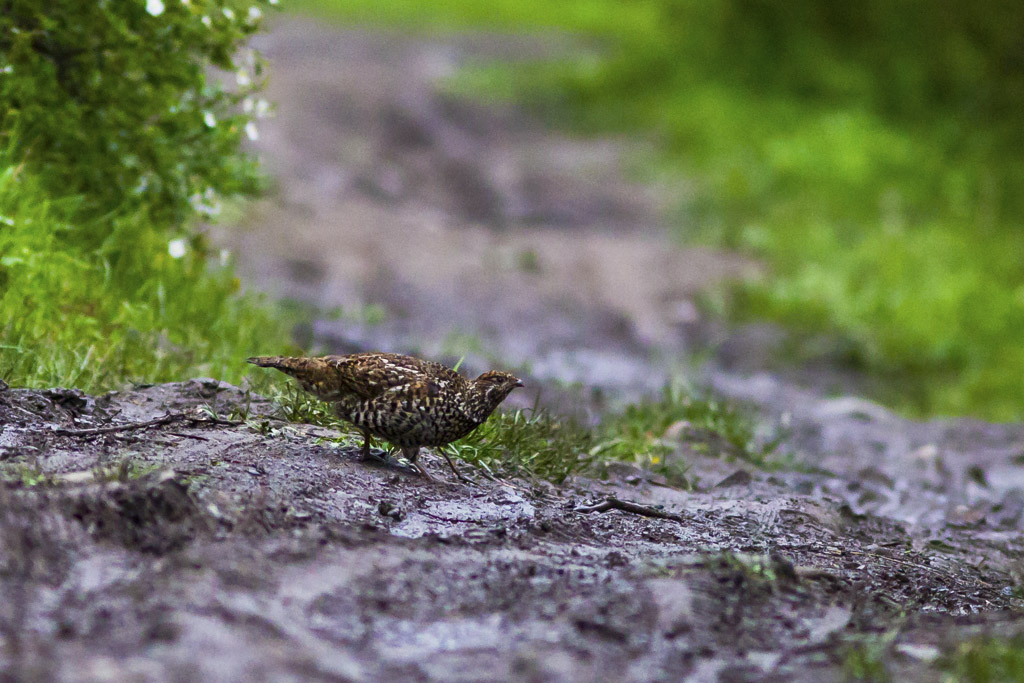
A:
<point x="864" y="659"/>
<point x="986" y="660"/>
<point x="867" y="152"/>
<point x="528" y="442"/>
<point x="112" y="101"/>
<point x="72" y="316"/>
<point x="106" y="151"/>
<point x="647" y="431"/>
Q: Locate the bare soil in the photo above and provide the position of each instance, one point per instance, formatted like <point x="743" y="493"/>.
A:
<point x="263" y="551"/>
<point x="208" y="547"/>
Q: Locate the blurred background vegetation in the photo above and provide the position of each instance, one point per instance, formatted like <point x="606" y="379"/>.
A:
<point x="870" y="153"/>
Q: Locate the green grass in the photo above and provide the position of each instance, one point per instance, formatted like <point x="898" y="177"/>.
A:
<point x="865" y="657"/>
<point x="872" y="166"/>
<point x="575" y="15"/>
<point x="649" y="434"/>
<point x="72" y="315"/>
<point x="536" y="443"/>
<point x="986" y="660"/>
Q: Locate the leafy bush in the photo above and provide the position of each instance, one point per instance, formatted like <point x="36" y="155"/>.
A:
<point x="115" y="135"/>
<point x="114" y="102"/>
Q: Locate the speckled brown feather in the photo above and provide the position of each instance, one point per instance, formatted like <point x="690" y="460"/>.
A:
<point x="406" y="400"/>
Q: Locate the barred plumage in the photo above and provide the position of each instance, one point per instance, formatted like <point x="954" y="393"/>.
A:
<point x="405" y="400"/>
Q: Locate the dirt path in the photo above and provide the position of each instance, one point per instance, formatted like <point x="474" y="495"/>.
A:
<point x="263" y="551"/>
<point x="475" y="229"/>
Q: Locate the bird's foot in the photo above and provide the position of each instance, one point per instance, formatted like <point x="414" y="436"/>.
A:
<point x="423" y="472"/>
<point x="451" y="464"/>
<point x="374" y="455"/>
<point x="380" y="458"/>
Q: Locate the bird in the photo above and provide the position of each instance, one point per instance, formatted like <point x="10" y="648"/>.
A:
<point x="405" y="400"/>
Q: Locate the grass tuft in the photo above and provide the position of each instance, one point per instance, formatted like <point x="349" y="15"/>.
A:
<point x="537" y="443"/>
<point x="986" y="660"/>
<point x="71" y="315"/>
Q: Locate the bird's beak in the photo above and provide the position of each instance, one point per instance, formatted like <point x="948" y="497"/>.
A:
<point x="519" y="383"/>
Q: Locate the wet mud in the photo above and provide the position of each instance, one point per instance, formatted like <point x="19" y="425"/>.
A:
<point x="254" y="549"/>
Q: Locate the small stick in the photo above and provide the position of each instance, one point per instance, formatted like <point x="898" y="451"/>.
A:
<point x="895" y="560"/>
<point x="188" y="436"/>
<point x="918" y="565"/>
<point x="146" y="424"/>
<point x="451" y="520"/>
<point x="613" y="503"/>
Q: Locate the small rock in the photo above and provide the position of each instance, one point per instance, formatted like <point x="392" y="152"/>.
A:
<point x="977" y="475"/>
<point x="388" y="509"/>
<point x="737" y="478"/>
<point x="873" y="474"/>
<point x="922" y="653"/>
<point x="1008" y="511"/>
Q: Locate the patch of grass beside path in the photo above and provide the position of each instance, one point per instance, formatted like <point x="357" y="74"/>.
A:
<point x="139" y="309"/>
<point x="986" y="659"/>
<point x="536" y="443"/>
<point x="869" y="155"/>
<point x="601" y="16"/>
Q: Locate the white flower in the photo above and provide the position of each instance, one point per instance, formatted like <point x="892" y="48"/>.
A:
<point x="155" y="7"/>
<point x="225" y="257"/>
<point x="273" y="2"/>
<point x="177" y="248"/>
<point x="251" y="131"/>
<point x="262" y="107"/>
<point x="242" y="78"/>
<point x="7" y="69"/>
<point x="207" y="22"/>
<point x="247" y="105"/>
<point x="255" y="14"/>
<point x="206" y="203"/>
<point x="229" y="14"/>
<point x="209" y="119"/>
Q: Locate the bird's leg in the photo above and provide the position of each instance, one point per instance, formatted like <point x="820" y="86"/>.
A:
<point x="452" y="465"/>
<point x="410" y="453"/>
<point x="366" y="444"/>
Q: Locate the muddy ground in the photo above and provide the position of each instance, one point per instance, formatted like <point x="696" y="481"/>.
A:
<point x="257" y="551"/>
<point x="223" y="543"/>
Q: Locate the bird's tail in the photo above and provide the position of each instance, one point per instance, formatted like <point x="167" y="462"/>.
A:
<point x="286" y="364"/>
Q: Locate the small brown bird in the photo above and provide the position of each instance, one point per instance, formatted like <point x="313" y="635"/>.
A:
<point x="405" y="400"/>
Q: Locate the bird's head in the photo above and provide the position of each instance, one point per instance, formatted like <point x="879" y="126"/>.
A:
<point x="494" y="387"/>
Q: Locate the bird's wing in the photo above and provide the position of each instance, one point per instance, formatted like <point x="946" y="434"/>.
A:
<point x="371" y="375"/>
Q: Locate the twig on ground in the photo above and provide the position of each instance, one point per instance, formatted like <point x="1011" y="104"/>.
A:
<point x="167" y="419"/>
<point x="613" y="503"/>
<point x="452" y="520"/>
<point x="917" y="565"/>
<point x="188" y="436"/>
<point x="839" y="552"/>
